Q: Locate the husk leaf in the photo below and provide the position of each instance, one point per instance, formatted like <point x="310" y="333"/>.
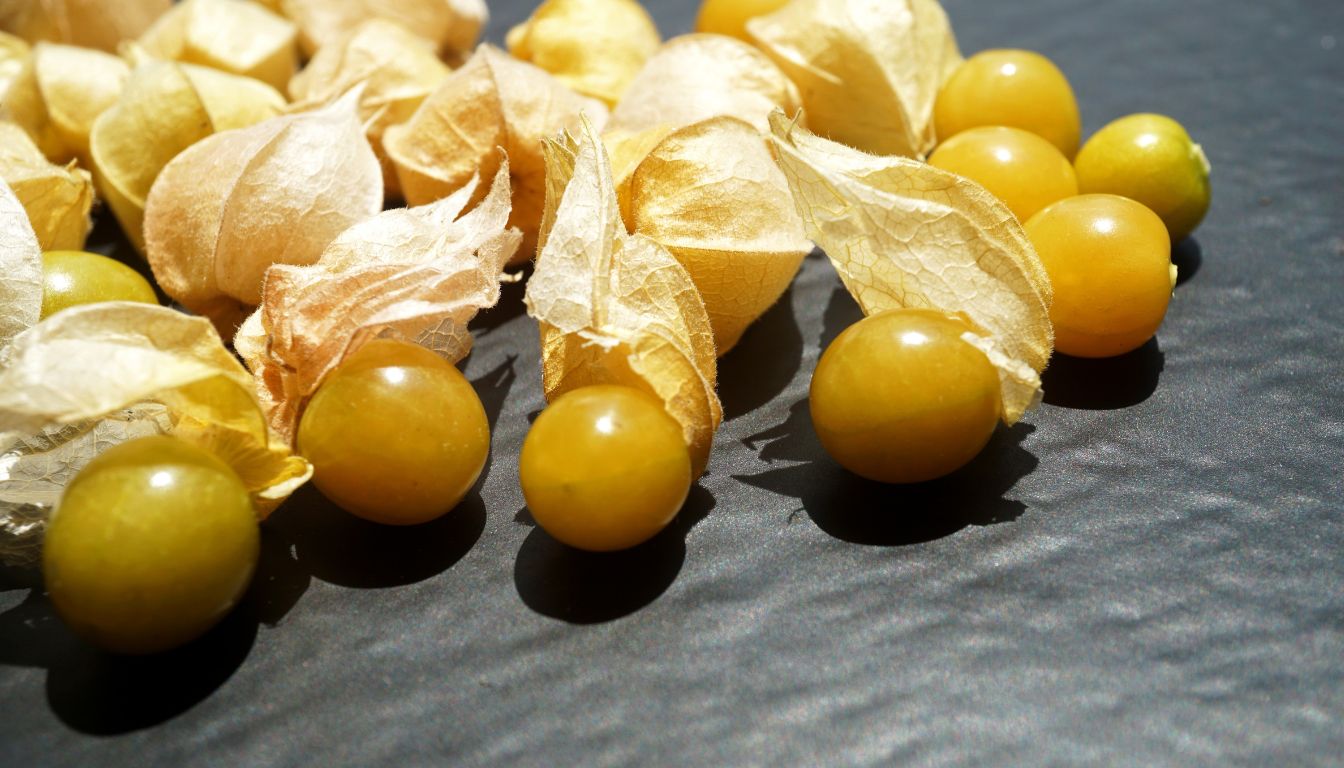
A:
<point x="57" y="198"/>
<point x="596" y="47"/>
<point x="101" y="24"/>
<point x="59" y="93"/>
<point x="453" y="26"/>
<point x="14" y="52"/>
<point x="902" y="233"/>
<point x="235" y="36"/>
<point x="20" y="270"/>
<point x="869" y="70"/>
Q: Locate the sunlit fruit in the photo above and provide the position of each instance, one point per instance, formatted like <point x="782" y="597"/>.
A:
<point x="900" y="397"/>
<point x="153" y="542"/>
<point x="1109" y="260"/>
<point x="1020" y="168"/>
<point x="729" y="17"/>
<point x="396" y="435"/>
<point x="1020" y="89"/>
<point x="604" y="468"/>
<point x="70" y="278"/>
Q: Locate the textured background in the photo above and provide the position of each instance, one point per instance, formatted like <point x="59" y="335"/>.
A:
<point x="1148" y="571"/>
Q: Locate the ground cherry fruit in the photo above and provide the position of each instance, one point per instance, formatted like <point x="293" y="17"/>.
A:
<point x="900" y="397"/>
<point x="1109" y="260"/>
<point x="729" y="17"/>
<point x="71" y="278"/>
<point x="153" y="542"/>
<point x="604" y="468"/>
<point x="1019" y="89"/>
<point x="1020" y="168"/>
<point x="395" y="435"/>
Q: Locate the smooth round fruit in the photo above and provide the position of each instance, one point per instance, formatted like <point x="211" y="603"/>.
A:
<point x="153" y="542"/>
<point x="70" y="278"/>
<point x="899" y="397"/>
<point x="396" y="435"/>
<point x="604" y="468"/>
<point x="1020" y="168"/>
<point x="1020" y="89"/>
<point x="1109" y="260"/>
<point x="729" y="17"/>
<point x="1152" y="160"/>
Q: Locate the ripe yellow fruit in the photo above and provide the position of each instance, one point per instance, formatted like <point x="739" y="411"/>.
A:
<point x="1021" y="89"/>
<point x="71" y="278"/>
<point x="1020" y="168"/>
<point x="729" y="17"/>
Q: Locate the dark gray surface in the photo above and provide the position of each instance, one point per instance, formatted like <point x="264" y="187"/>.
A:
<point x="1147" y="572"/>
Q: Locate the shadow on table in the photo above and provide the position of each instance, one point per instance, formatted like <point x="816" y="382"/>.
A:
<point x="589" y="588"/>
<point x="764" y="361"/>
<point x="1188" y="258"/>
<point x="1103" y="384"/>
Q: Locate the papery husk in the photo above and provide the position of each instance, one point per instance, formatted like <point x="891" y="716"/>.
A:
<point x="235" y="36"/>
<point x="59" y="93"/>
<point x="235" y="203"/>
<point x="493" y="101"/>
<point x="453" y="26"/>
<point x="617" y="308"/>
<point x="696" y="77"/>
<point x="57" y="198"/>
<point x="416" y="273"/>
<point x="166" y="107"/>
<point x="712" y="195"/>
<point x="96" y="375"/>
<point x="869" y="70"/>
<point x="20" y="270"/>
<point x="14" y="52"/>
<point x="902" y="233"/>
<point x="596" y="47"/>
<point x="101" y="24"/>
<point x="398" y="70"/>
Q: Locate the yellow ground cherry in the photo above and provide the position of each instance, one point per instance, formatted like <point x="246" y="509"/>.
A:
<point x="1109" y="260"/>
<point x="153" y="542"/>
<point x="70" y="278"/>
<point x="396" y="435"/>
<point x="1020" y="168"/>
<point x="1020" y="89"/>
<point x="604" y="468"/>
<point x="729" y="17"/>
<point x="899" y="397"/>
<point x="1152" y="160"/>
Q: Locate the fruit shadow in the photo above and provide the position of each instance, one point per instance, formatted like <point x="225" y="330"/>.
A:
<point x="580" y="587"/>
<point x="860" y="511"/>
<point x="764" y="361"/>
<point x="1188" y="258"/>
<point x="1103" y="384"/>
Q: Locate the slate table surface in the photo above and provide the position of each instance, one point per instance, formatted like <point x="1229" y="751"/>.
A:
<point x="1148" y="571"/>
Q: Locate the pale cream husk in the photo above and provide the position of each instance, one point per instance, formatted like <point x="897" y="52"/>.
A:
<point x="453" y="26"/>
<point x="20" y="270"/>
<point x="58" y="95"/>
<point x="101" y="24"/>
<point x="57" y="198"/>
<point x="14" y="53"/>
<point x="235" y="36"/>
<point x="596" y="47"/>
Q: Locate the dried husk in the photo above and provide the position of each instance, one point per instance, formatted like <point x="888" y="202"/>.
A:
<point x="617" y="308"/>
<point x="166" y="107"/>
<point x="696" y="77"/>
<point x="397" y="68"/>
<point x="712" y="195"/>
<point x="99" y="374"/>
<point x="20" y="270"/>
<point x="416" y="273"/>
<point x="59" y="93"/>
<point x="235" y="36"/>
<point x="493" y="101"/>
<point x="57" y="198"/>
<point x="235" y="203"/>
<point x="869" y="70"/>
<point x="596" y="47"/>
<point x="14" y="52"/>
<point x="902" y="233"/>
<point x="453" y="26"/>
<point x="101" y="24"/>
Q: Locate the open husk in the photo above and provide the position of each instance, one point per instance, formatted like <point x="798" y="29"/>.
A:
<point x="166" y="107"/>
<point x="57" y="198"/>
<point x="617" y="308"/>
<point x="453" y="26"/>
<point x="59" y="93"/>
<point x="902" y="233"/>
<point x="20" y="270"/>
<point x="14" y="54"/>
<point x="596" y="47"/>
<point x="235" y="203"/>
<point x="236" y="36"/>
<point x="493" y="101"/>
<point x="95" y="375"/>
<point x="696" y="77"/>
<point x="417" y="273"/>
<point x="397" y="68"/>
<point x="101" y="24"/>
<point x="869" y="71"/>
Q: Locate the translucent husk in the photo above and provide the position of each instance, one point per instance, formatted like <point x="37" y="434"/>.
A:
<point x="20" y="270"/>
<point x="235" y="36"/>
<point x="57" y="198"/>
<point x="596" y="47"/>
<point x="99" y="374"/>
<point x="101" y="24"/>
<point x="397" y="68"/>
<point x="14" y="53"/>
<point x="453" y="26"/>
<point x="617" y="308"/>
<point x="493" y="101"/>
<point x="166" y="107"/>
<point x="59" y="93"/>
<point x="235" y="203"/>
<point x="696" y="77"/>
<point x="902" y="233"/>
<point x="869" y="71"/>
